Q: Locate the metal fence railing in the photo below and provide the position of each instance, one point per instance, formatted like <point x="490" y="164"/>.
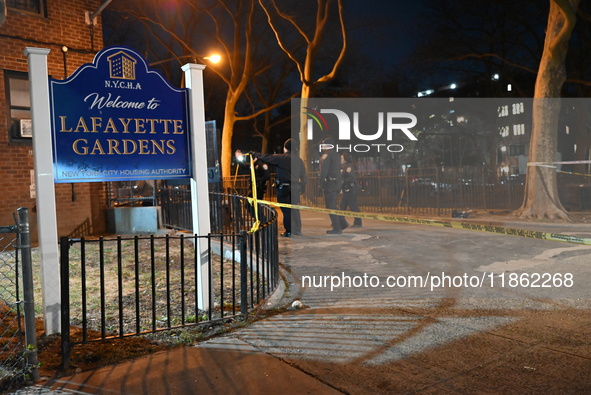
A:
<point x="426" y="191"/>
<point x="431" y="191"/>
<point x="117" y="287"/>
<point x="176" y="209"/>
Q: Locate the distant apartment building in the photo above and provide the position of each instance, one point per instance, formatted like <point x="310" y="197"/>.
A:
<point x="61" y="26"/>
<point x="510" y="119"/>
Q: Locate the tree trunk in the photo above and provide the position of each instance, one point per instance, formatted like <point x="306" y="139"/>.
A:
<point x="541" y="192"/>
<point x="303" y="129"/>
<point x="227" y="134"/>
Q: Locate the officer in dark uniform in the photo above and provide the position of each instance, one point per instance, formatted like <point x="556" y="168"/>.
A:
<point x="330" y="182"/>
<point x="290" y="183"/>
<point x="350" y="188"/>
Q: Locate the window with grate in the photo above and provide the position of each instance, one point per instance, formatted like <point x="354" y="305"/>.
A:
<point x="33" y="6"/>
<point x="18" y="101"/>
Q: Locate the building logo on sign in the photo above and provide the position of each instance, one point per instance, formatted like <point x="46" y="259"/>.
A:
<point x="122" y="66"/>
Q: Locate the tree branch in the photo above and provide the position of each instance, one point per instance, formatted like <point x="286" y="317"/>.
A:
<point x="341" y="57"/>
<point x="280" y="41"/>
<point x="264" y="110"/>
<point x="493" y="55"/>
<point x="570" y="17"/>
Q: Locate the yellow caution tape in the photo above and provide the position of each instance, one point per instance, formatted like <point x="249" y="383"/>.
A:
<point x="572" y="173"/>
<point x="255" y="225"/>
<point x="553" y="166"/>
<point x="499" y="230"/>
<point x="495" y="229"/>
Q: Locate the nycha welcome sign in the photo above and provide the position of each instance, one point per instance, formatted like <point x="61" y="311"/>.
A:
<point x="117" y="120"/>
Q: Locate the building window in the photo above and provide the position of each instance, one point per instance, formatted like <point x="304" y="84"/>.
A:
<point x="19" y="106"/>
<point x="33" y="6"/>
<point x="519" y="130"/>
<point x="517" y="108"/>
<point x="503" y="111"/>
<point x="516" y="150"/>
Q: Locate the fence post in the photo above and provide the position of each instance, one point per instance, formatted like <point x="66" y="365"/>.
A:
<point x="65" y="301"/>
<point x="243" y="275"/>
<point x="237" y="213"/>
<point x="24" y="234"/>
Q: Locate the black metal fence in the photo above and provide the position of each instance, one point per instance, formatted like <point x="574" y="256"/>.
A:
<point x="117" y="287"/>
<point x="175" y="203"/>
<point x="437" y="191"/>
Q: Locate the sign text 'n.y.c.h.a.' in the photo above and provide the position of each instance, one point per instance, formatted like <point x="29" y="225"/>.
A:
<point x="116" y="120"/>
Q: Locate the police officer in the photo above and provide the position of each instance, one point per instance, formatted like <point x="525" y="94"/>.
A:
<point x="330" y="182"/>
<point x="350" y="188"/>
<point x="290" y="183"/>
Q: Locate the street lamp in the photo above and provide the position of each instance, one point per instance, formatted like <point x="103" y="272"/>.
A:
<point x="91" y="21"/>
<point x="91" y="18"/>
<point x="213" y="58"/>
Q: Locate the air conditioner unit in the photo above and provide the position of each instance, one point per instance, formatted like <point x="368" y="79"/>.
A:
<point x="26" y="128"/>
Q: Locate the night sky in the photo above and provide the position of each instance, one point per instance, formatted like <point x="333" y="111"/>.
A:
<point x="384" y="30"/>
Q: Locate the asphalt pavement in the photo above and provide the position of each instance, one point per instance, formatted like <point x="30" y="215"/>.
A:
<point x="394" y="308"/>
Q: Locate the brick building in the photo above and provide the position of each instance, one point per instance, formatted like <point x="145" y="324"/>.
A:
<point x="56" y="25"/>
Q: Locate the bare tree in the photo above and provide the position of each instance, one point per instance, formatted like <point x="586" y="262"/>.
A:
<point x="268" y="89"/>
<point x="541" y="192"/>
<point x="305" y="62"/>
<point x="180" y="33"/>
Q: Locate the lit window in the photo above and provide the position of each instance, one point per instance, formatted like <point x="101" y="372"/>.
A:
<point x="517" y="108"/>
<point x="503" y="111"/>
<point x="518" y="130"/>
<point x="504" y="131"/>
<point x="19" y="105"/>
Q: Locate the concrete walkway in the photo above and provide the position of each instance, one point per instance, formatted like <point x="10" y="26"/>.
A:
<point x="368" y="337"/>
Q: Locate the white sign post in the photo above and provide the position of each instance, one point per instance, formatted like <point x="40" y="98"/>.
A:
<point x="199" y="182"/>
<point x="46" y="208"/>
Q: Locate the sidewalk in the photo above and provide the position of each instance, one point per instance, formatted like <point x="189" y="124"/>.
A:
<point x="363" y="340"/>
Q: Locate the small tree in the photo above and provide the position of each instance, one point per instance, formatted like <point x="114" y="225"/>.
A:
<point x="541" y="192"/>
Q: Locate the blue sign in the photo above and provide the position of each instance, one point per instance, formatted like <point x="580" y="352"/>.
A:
<point x="116" y="120"/>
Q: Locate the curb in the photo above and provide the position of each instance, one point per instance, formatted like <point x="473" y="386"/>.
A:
<point x="287" y="291"/>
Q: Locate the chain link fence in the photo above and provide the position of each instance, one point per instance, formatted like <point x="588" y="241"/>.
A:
<point x="12" y="339"/>
<point x="18" y="354"/>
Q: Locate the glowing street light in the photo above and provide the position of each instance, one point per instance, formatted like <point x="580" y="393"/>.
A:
<point x="214" y="58"/>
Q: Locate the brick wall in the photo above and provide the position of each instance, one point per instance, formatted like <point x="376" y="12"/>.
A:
<point x="63" y="25"/>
